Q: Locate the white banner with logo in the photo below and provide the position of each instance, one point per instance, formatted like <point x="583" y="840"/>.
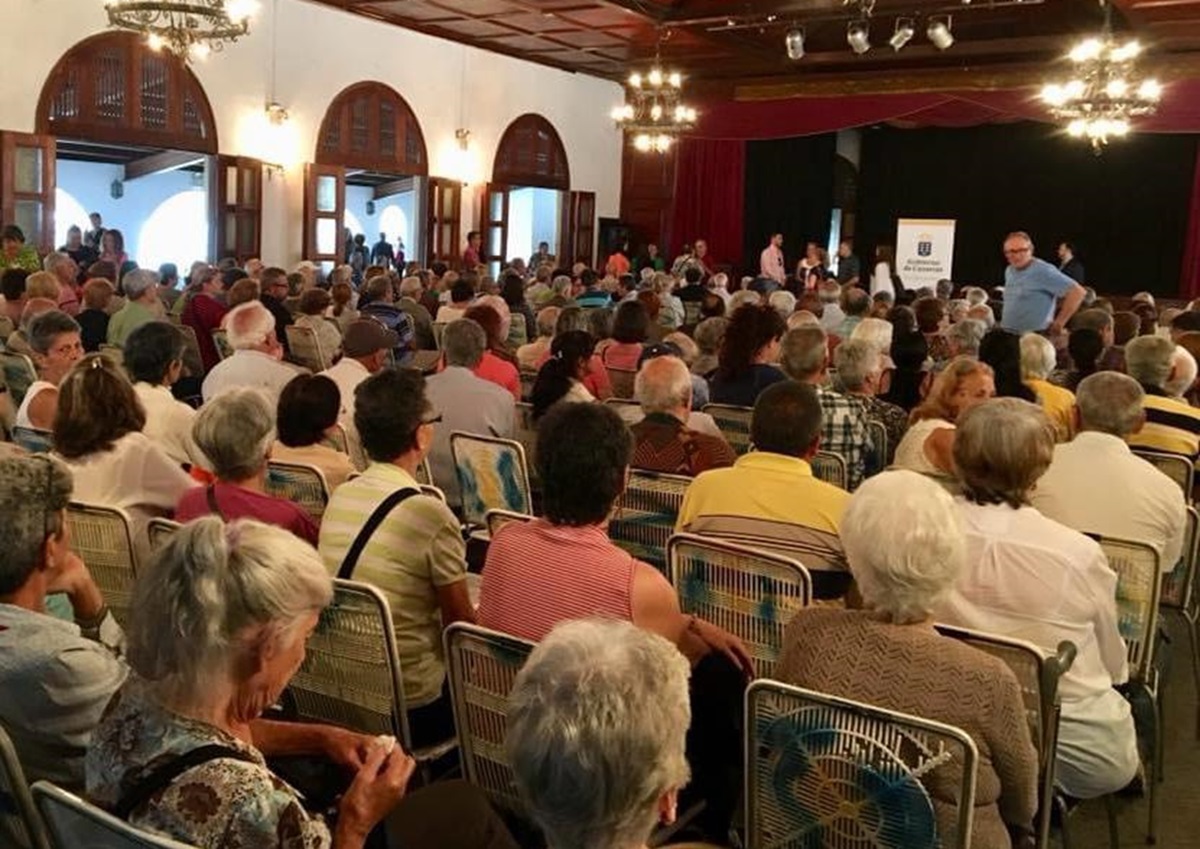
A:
<point x="924" y="251"/>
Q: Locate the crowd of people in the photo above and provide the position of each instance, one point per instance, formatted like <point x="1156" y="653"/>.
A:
<point x="982" y="439"/>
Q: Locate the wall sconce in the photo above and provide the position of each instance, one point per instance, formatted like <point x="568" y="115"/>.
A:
<point x="463" y="136"/>
<point x="276" y="142"/>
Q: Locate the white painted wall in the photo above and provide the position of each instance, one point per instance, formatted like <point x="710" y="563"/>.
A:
<point x="320" y="51"/>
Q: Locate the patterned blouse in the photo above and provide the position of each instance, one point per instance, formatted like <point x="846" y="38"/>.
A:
<point x="224" y="803"/>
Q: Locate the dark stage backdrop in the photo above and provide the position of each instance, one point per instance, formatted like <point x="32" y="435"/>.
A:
<point x="1126" y="210"/>
<point x="789" y="190"/>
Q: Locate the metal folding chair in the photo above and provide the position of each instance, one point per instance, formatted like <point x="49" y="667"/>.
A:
<point x="879" y="438"/>
<point x="830" y="467"/>
<point x="528" y="378"/>
<point x="646" y="513"/>
<point x="1178" y="467"/>
<point x="160" y="532"/>
<point x="622" y="381"/>
<point x="438" y="328"/>
<point x="300" y="483"/>
<point x="221" y="343"/>
<point x="833" y="773"/>
<point x="20" y="825"/>
<point x="103" y="539"/>
<point x="734" y="424"/>
<point x="492" y="475"/>
<point x="74" y="824"/>
<point x="351" y="674"/>
<point x="1038" y="676"/>
<point x="19" y="374"/>
<point x="629" y="411"/>
<point x="305" y="348"/>
<point x="751" y="594"/>
<point x="1179" y="595"/>
<point x="33" y="440"/>
<point x="497" y="519"/>
<point x="482" y="666"/>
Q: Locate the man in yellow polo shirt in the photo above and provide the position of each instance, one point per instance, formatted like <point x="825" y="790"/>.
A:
<point x="769" y="498"/>
<point x="1171" y="424"/>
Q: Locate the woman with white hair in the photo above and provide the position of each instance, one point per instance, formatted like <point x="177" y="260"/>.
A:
<point x="1029" y="577"/>
<point x="597" y="721"/>
<point x="878" y="333"/>
<point x="217" y="629"/>
<point x="906" y="549"/>
<point x="1038" y="360"/>
<point x="235" y="431"/>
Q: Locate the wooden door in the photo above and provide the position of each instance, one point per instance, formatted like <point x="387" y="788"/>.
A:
<point x="494" y="226"/>
<point x="27" y="186"/>
<point x="324" y="213"/>
<point x="583" y="228"/>
<point x="235" y="203"/>
<point x="444" y="219"/>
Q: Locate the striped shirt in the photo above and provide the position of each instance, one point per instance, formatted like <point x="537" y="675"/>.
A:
<point x="415" y="550"/>
<point x="539" y="574"/>
<point x="1171" y="425"/>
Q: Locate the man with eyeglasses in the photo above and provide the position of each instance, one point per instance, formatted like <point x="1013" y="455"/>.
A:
<point x="1032" y="286"/>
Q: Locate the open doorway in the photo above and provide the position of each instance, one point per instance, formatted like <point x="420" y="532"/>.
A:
<point x="387" y="210"/>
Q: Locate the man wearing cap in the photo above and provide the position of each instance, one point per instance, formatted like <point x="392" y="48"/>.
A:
<point x="365" y="346"/>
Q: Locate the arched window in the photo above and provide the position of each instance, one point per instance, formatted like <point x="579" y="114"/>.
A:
<point x="370" y="126"/>
<point x="531" y="153"/>
<point x="68" y="212"/>
<point x="113" y="88"/>
<point x="394" y="222"/>
<point x="177" y="231"/>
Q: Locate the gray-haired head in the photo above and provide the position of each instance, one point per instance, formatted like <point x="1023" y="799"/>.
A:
<point x="905" y="544"/>
<point x="44" y="329"/>
<point x="709" y="333"/>
<point x="34" y="490"/>
<point x="783" y="302"/>
<point x="1038" y="357"/>
<point x="856" y="360"/>
<point x="561" y="285"/>
<point x="215" y="597"/>
<point x="235" y="431"/>
<point x="463" y="343"/>
<point x="965" y="336"/>
<point x="597" y="721"/>
<point x="663" y="385"/>
<point x="875" y="331"/>
<point x="54" y="259"/>
<point x="138" y="282"/>
<point x="571" y="318"/>
<point x="975" y="296"/>
<point x="1148" y="360"/>
<point x="547" y="318"/>
<point x="1001" y="448"/>
<point x="803" y="352"/>
<point x="249" y="325"/>
<point x="1110" y="402"/>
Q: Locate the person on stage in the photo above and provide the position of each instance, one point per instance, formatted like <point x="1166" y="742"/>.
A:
<point x="770" y="262"/>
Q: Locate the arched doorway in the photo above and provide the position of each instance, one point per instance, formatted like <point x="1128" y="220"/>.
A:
<point x="131" y="127"/>
<point x="530" y="201"/>
<point x="371" y="163"/>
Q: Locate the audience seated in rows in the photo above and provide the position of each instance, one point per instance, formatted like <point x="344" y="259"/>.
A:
<point x="415" y="555"/>
<point x="496" y="364"/>
<point x="153" y="359"/>
<point x="464" y="401"/>
<point x="664" y="439"/>
<point x="595" y="378"/>
<point x="860" y="376"/>
<point x="630" y="333"/>
<point x="365" y="350"/>
<point x="54" y="337"/>
<point x="235" y="431"/>
<point x="1038" y="359"/>
<point x="749" y="351"/>
<point x="1171" y="424"/>
<point x="769" y="497"/>
<point x="927" y="447"/>
<point x="563" y="377"/>
<point x="530" y="354"/>
<point x="306" y="416"/>
<point x="1027" y="576"/>
<point x="257" y="352"/>
<point x="906" y="550"/>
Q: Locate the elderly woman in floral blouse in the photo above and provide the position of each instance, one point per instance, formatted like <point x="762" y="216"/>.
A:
<point x="218" y="626"/>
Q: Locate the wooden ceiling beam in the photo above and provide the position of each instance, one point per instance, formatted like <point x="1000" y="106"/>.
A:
<point x="158" y="163"/>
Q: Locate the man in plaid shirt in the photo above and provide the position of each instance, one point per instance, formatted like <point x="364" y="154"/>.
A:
<point x="804" y="356"/>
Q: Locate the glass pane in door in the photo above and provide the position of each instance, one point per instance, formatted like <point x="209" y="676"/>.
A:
<point x="326" y="197"/>
<point x="27" y="214"/>
<point x="27" y="173"/>
<point x="327" y="235"/>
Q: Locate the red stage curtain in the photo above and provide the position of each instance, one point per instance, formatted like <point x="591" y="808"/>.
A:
<point x="1189" y="278"/>
<point x="710" y="179"/>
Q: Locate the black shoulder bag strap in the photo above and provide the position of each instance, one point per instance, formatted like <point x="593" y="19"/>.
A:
<point x="162" y="777"/>
<point x="210" y="495"/>
<point x="364" y="536"/>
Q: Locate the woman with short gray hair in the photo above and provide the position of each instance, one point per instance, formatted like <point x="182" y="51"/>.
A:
<point x="54" y="338"/>
<point x="906" y="549"/>
<point x="1030" y="577"/>
<point x="217" y="629"/>
<point x="597" y="721"/>
<point x="235" y="432"/>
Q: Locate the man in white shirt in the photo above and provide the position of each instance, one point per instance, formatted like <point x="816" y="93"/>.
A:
<point x="464" y="402"/>
<point x="1095" y="484"/>
<point x="365" y="346"/>
<point x="770" y="262"/>
<point x="255" y="363"/>
<point x="153" y="358"/>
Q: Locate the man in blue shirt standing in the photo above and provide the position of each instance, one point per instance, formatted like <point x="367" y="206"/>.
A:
<point x="1031" y="287"/>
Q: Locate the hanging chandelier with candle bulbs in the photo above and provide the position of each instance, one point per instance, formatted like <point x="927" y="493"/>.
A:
<point x="1106" y="91"/>
<point x="191" y="29"/>
<point x="654" y="113"/>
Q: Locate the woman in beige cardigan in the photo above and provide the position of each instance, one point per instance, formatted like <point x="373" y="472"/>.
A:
<point x="906" y="547"/>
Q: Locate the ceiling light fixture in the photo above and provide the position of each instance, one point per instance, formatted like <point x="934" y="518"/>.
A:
<point x="938" y="32"/>
<point x="191" y="29"/>
<point x="858" y="37"/>
<point x="905" y="30"/>
<point x="1106" y="91"/>
<point x="794" y="43"/>
<point x="654" y="113"/>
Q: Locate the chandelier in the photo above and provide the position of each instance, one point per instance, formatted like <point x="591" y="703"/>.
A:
<point x="191" y="29"/>
<point x="1105" y="92"/>
<point x="654" y="113"/>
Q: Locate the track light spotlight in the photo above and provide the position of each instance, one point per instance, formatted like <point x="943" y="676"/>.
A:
<point x="794" y="43"/>
<point x="858" y="37"/>
<point x="938" y="32"/>
<point x="903" y="34"/>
